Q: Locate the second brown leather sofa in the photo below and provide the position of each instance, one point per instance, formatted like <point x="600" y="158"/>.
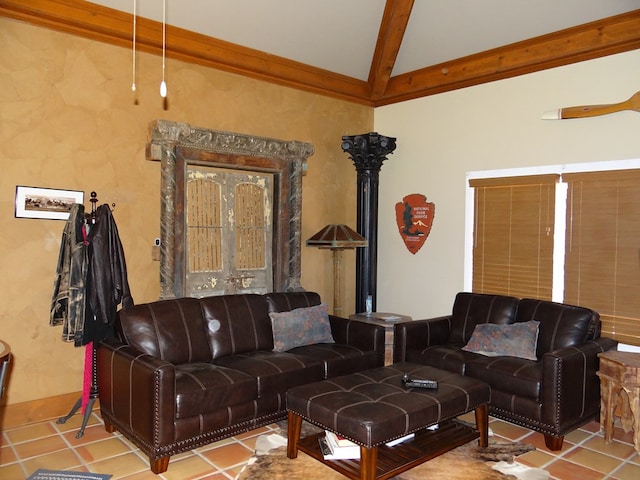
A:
<point x="554" y="392"/>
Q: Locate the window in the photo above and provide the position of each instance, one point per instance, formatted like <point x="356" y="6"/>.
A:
<point x="602" y="252"/>
<point x="525" y="245"/>
<point x="513" y="235"/>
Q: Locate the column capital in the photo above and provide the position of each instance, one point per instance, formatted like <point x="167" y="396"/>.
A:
<point x="368" y="150"/>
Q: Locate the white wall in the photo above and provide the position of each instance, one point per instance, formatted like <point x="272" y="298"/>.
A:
<point x="492" y="126"/>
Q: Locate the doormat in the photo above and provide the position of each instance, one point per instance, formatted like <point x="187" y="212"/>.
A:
<point x="43" y="474"/>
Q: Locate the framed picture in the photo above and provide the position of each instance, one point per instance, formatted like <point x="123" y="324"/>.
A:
<point x="33" y="202"/>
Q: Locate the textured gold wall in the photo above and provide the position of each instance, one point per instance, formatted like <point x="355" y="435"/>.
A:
<point x="68" y="121"/>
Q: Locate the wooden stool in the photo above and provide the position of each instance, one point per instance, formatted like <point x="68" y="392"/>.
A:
<point x="620" y="371"/>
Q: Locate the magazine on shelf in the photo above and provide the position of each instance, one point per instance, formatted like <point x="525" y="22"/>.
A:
<point x="338" y="452"/>
<point x="339" y="440"/>
<point x="397" y="441"/>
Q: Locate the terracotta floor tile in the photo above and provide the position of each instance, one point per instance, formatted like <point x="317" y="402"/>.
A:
<point x="93" y="452"/>
<point x="40" y="446"/>
<point x="508" y="430"/>
<point x="594" y="460"/>
<point x="7" y="455"/>
<point x="577" y="436"/>
<point x="228" y="455"/>
<point x="122" y="465"/>
<point x="535" y="458"/>
<point x="628" y="471"/>
<point x="592" y="427"/>
<point x="91" y="434"/>
<point x="564" y="470"/>
<point x="63" y="460"/>
<point x="188" y="468"/>
<point x="12" y="471"/>
<point x="30" y="432"/>
<point x="615" y="448"/>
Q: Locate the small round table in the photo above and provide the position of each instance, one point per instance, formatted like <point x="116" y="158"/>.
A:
<point x="5" y="358"/>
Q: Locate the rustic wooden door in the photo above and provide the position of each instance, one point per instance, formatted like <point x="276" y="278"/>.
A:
<point x="228" y="227"/>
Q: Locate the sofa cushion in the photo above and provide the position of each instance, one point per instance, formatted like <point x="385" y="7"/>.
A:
<point x="171" y="330"/>
<point x="445" y="357"/>
<point x="204" y="388"/>
<point x="514" y="376"/>
<point x="471" y="309"/>
<point x="299" y="327"/>
<point x="515" y="340"/>
<point x="237" y="324"/>
<point x="561" y="325"/>
<point x="339" y="359"/>
<point x="275" y="372"/>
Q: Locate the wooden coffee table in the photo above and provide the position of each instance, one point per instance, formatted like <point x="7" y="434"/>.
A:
<point x="373" y="407"/>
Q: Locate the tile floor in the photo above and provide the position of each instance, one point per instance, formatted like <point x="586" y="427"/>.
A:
<point x="46" y="444"/>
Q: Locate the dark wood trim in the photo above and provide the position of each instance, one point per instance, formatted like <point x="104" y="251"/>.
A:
<point x="608" y="36"/>
<point x="604" y="37"/>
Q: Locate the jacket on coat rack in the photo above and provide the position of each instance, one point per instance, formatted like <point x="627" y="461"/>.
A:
<point x="69" y="292"/>
<point x="91" y="278"/>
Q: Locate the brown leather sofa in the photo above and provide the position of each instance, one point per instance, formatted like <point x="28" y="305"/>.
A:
<point x="553" y="394"/>
<point x="188" y="371"/>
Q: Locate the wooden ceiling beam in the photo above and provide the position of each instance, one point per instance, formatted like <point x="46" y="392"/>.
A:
<point x="604" y="37"/>
<point x="392" y="28"/>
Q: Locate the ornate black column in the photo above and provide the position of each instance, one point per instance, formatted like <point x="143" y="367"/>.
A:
<point x="367" y="151"/>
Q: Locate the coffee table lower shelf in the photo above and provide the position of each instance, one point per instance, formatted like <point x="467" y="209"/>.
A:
<point x="391" y="461"/>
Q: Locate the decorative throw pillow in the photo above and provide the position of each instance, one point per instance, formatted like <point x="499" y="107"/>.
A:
<point x="513" y="340"/>
<point x="299" y="327"/>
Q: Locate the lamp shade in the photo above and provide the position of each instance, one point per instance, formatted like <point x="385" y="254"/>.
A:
<point x="337" y="236"/>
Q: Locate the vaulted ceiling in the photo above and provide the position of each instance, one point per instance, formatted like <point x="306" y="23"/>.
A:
<point x="373" y="52"/>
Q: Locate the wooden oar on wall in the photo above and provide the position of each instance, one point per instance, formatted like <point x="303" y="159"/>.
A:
<point x="593" y="110"/>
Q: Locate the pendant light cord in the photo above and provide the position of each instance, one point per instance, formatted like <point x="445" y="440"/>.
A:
<point x="163" y="85"/>
<point x="133" y="73"/>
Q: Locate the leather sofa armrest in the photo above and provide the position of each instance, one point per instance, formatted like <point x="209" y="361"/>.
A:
<point x="419" y="334"/>
<point x="571" y="388"/>
<point x="136" y="388"/>
<point x="362" y="335"/>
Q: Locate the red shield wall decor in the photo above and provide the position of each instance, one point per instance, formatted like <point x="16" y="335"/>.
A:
<point x="414" y="216"/>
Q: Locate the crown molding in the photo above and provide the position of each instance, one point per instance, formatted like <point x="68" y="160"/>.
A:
<point x="604" y="37"/>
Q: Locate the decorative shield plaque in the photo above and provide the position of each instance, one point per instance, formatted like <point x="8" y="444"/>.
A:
<point x="414" y="216"/>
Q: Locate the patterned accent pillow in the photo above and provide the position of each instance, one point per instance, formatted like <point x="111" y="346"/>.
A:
<point x="299" y="327"/>
<point x="513" y="340"/>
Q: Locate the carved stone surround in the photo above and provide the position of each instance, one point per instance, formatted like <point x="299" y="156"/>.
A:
<point x="176" y="144"/>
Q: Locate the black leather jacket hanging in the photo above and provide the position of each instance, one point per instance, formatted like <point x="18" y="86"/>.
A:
<point x="109" y="286"/>
<point x="69" y="291"/>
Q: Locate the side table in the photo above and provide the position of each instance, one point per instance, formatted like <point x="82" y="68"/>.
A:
<point x="387" y="320"/>
<point x="620" y="371"/>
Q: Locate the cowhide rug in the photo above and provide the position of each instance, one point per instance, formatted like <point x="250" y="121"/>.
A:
<point x="466" y="462"/>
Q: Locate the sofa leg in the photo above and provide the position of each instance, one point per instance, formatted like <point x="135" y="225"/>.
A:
<point x="159" y="465"/>
<point x="553" y="443"/>
<point x="108" y="427"/>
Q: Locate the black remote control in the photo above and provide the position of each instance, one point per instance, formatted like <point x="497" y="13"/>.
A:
<point x="418" y="383"/>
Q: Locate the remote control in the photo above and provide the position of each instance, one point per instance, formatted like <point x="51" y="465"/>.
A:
<point x="418" y="383"/>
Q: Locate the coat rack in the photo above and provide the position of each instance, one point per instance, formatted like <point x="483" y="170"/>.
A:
<point x="90" y="390"/>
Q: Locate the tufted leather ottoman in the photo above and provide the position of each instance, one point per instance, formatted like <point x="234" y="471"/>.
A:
<point x="373" y="407"/>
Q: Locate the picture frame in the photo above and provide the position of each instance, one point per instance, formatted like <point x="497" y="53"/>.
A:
<point x="48" y="203"/>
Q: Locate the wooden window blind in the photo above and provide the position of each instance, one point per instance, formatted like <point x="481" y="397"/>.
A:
<point x="602" y="259"/>
<point x="513" y="235"/>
